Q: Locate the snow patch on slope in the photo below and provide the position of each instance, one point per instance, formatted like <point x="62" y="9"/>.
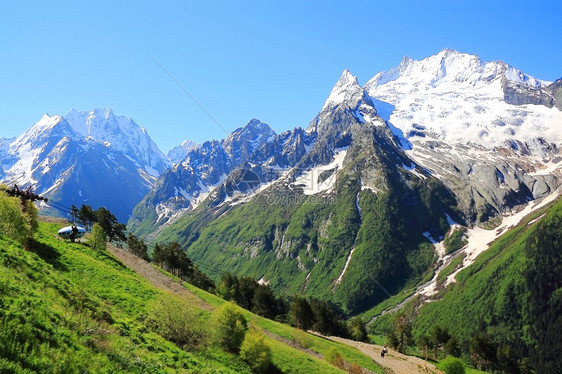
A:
<point x="311" y="182"/>
<point x="480" y="239"/>
<point x="338" y="281"/>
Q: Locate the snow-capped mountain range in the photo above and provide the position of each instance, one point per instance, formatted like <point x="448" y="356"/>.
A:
<point x="490" y="132"/>
<point x="457" y="98"/>
<point x="366" y="194"/>
<point x="94" y="158"/>
<point x="487" y="130"/>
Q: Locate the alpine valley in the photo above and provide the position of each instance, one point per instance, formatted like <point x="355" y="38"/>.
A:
<point x="372" y="197"/>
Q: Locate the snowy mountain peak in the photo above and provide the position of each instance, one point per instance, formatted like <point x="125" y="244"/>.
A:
<point x="347" y="89"/>
<point x="178" y="153"/>
<point x="451" y="66"/>
<point x="47" y="126"/>
<point x="458" y="98"/>
<point x="446" y="66"/>
<point x="246" y="140"/>
<point x="48" y="121"/>
<point x="122" y="133"/>
<point x="254" y="124"/>
<point x="517" y="76"/>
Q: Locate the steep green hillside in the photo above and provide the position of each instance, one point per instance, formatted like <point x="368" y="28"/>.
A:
<point x="303" y="244"/>
<point x="67" y="308"/>
<point x="508" y="300"/>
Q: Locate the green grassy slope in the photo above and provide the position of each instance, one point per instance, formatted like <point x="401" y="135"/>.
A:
<point x="487" y="291"/>
<point x="511" y="293"/>
<point x="67" y="308"/>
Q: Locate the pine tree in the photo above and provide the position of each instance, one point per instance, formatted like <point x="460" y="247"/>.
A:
<point x="301" y="314"/>
<point x="543" y="280"/>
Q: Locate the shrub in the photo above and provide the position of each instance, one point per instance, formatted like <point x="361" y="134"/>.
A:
<point x="358" y="329"/>
<point x="255" y="351"/>
<point x="178" y="322"/>
<point x="302" y="338"/>
<point x="455" y="240"/>
<point x="13" y="222"/>
<point x="334" y="358"/>
<point x="355" y="369"/>
<point x="452" y="365"/>
<point x="230" y="327"/>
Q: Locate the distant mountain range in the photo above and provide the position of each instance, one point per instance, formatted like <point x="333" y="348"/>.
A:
<point x="94" y="158"/>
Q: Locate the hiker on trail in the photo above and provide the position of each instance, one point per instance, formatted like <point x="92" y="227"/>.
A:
<point x="384" y="351"/>
<point x="73" y="234"/>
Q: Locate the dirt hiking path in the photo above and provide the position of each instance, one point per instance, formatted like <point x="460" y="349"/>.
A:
<point x="397" y="363"/>
<point x="393" y="362"/>
<point x="154" y="276"/>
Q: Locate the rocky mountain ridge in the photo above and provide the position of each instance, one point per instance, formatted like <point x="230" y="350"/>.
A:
<point x="94" y="158"/>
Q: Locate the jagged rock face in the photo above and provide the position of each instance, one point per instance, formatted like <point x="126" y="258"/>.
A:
<point x="206" y="166"/>
<point x="487" y="183"/>
<point x="520" y="94"/>
<point x="93" y="158"/>
<point x="555" y="90"/>
<point x="286" y="150"/>
<point x="477" y="127"/>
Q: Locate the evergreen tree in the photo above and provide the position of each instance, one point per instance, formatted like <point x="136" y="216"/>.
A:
<point x="228" y="287"/>
<point x="358" y="329"/>
<point x="99" y="239"/>
<point x="425" y="344"/>
<point x="326" y="321"/>
<point x="246" y="288"/>
<point x="482" y="350"/>
<point x="158" y="255"/>
<point x="544" y="283"/>
<point x="301" y="314"/>
<point x="439" y="336"/>
<point x="403" y="332"/>
<point x="86" y="216"/>
<point x="137" y="247"/>
<point x="114" y="230"/>
<point x="264" y="302"/>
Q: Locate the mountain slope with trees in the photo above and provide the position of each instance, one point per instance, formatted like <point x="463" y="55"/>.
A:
<point x="356" y="207"/>
<point x="503" y="311"/>
<point x="70" y="307"/>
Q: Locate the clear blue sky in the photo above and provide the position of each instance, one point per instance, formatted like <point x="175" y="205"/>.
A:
<point x="272" y="60"/>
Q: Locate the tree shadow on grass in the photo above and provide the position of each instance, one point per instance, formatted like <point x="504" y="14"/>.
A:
<point x="48" y="254"/>
<point x="272" y="369"/>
